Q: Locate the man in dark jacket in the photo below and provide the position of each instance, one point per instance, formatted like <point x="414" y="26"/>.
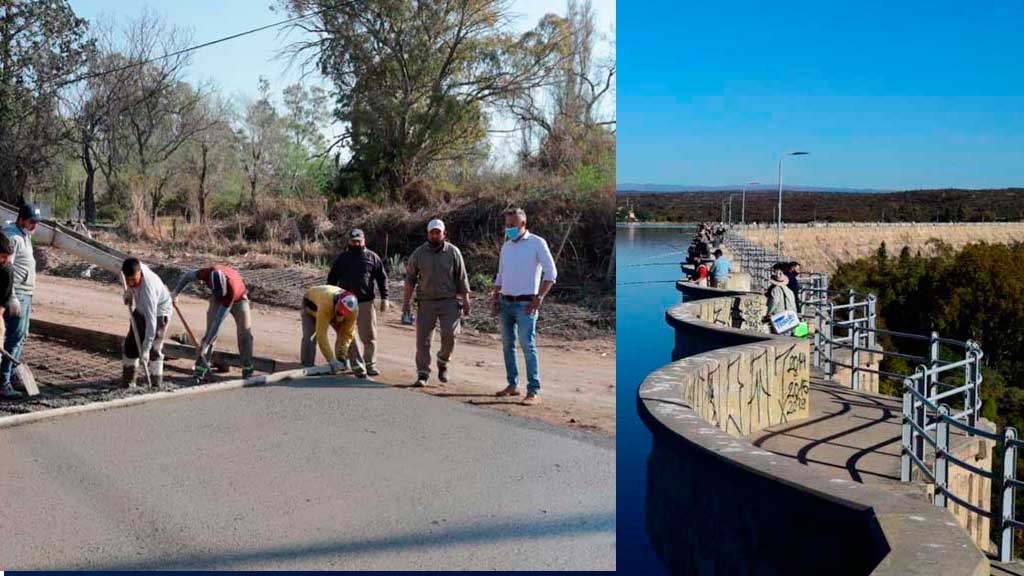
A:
<point x="792" y="272"/>
<point x="358" y="270"/>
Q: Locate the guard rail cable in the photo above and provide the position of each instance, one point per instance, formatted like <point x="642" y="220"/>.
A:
<point x="942" y="392"/>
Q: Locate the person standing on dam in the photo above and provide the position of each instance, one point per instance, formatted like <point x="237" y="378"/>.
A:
<point x="228" y="294"/>
<point x="437" y="273"/>
<point x="19" y="307"/>
<point x="793" y="275"/>
<point x="526" y="272"/>
<point x="359" y="269"/>
<point x="720" y="270"/>
<point x="780" y="297"/>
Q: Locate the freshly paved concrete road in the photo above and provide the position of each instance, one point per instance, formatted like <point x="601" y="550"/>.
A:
<point x="317" y="474"/>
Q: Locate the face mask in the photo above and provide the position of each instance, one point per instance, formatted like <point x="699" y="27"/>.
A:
<point x="511" y="233"/>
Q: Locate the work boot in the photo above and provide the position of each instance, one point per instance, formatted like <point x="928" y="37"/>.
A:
<point x="247" y="371"/>
<point x="156" y="373"/>
<point x="128" y="376"/>
<point x="531" y="399"/>
<point x="9" y="393"/>
<point x="200" y="372"/>
<point x="442" y="372"/>
<point x="421" y="380"/>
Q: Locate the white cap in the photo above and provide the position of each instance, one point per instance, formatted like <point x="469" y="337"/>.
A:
<point x="435" y="224"/>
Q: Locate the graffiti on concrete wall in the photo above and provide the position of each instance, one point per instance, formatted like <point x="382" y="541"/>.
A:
<point x="747" y="388"/>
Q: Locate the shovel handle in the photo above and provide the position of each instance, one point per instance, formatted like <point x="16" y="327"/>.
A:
<point x="135" y="332"/>
<point x="7" y="355"/>
<point x="188" y="330"/>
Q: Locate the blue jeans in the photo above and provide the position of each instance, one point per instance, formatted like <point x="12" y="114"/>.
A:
<point x="515" y="319"/>
<point x="14" y="341"/>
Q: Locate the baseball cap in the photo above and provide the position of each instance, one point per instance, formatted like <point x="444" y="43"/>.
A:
<point x="356" y="234"/>
<point x="29" y="212"/>
<point x="435" y="224"/>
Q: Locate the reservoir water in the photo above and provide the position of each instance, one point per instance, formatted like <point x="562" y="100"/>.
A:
<point x="647" y="266"/>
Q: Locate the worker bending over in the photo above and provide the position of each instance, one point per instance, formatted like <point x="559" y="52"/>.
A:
<point x="150" y="316"/>
<point x="228" y="294"/>
<point x="332" y="306"/>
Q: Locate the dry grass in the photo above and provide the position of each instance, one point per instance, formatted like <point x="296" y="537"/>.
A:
<point x="823" y="248"/>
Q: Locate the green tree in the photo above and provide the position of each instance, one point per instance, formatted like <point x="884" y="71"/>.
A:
<point x="413" y="78"/>
<point x="42" y="44"/>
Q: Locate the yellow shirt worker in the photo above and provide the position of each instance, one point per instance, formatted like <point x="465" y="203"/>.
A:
<point x="324" y="306"/>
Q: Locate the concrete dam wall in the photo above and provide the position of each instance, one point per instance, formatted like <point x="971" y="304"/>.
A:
<point x="823" y="247"/>
<point x="719" y="505"/>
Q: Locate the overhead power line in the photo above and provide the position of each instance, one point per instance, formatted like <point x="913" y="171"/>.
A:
<point x="191" y="48"/>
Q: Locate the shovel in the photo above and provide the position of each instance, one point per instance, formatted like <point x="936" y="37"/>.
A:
<point x="23" y="374"/>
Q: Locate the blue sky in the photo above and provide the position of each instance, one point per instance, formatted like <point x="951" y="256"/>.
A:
<point x="886" y="95"/>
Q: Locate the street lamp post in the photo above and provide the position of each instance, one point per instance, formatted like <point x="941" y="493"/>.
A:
<point x="743" y="203"/>
<point x="778" y="227"/>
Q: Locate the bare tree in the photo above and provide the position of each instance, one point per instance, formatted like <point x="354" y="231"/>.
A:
<point x="569" y="112"/>
<point x="258" y="139"/>
<point x="148" y="111"/>
<point x="210" y="151"/>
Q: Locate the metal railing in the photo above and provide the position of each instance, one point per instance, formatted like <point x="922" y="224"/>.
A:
<point x="941" y="394"/>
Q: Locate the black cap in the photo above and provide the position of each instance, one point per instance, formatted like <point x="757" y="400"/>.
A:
<point x="29" y="212"/>
<point x="356" y="234"/>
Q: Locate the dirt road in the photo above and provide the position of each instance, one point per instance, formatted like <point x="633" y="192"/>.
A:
<point x="578" y="377"/>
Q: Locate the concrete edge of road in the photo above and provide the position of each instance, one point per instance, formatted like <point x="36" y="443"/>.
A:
<point x="20" y="419"/>
<point x="530" y="423"/>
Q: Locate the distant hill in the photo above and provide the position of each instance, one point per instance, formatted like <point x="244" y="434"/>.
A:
<point x="629" y="188"/>
<point x="946" y="205"/>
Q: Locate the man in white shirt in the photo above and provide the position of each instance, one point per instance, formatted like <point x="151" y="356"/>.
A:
<point x="150" y="318"/>
<point x="526" y="272"/>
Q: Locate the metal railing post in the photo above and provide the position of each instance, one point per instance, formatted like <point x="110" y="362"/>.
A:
<point x="1009" y="474"/>
<point x="816" y="354"/>
<point x="908" y="431"/>
<point x="941" y="470"/>
<point x="829" y="366"/>
<point x="972" y="386"/>
<point x="920" y="413"/>
<point x="855" y="357"/>
<point x="872" y="316"/>
<point x="933" y="363"/>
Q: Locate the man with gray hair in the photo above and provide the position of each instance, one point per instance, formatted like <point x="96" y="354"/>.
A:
<point x="526" y="272"/>
<point x="438" y="274"/>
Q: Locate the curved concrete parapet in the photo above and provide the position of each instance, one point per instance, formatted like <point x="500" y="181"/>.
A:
<point x="718" y="505"/>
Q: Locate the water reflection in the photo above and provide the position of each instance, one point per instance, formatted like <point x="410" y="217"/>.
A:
<point x="646" y="267"/>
